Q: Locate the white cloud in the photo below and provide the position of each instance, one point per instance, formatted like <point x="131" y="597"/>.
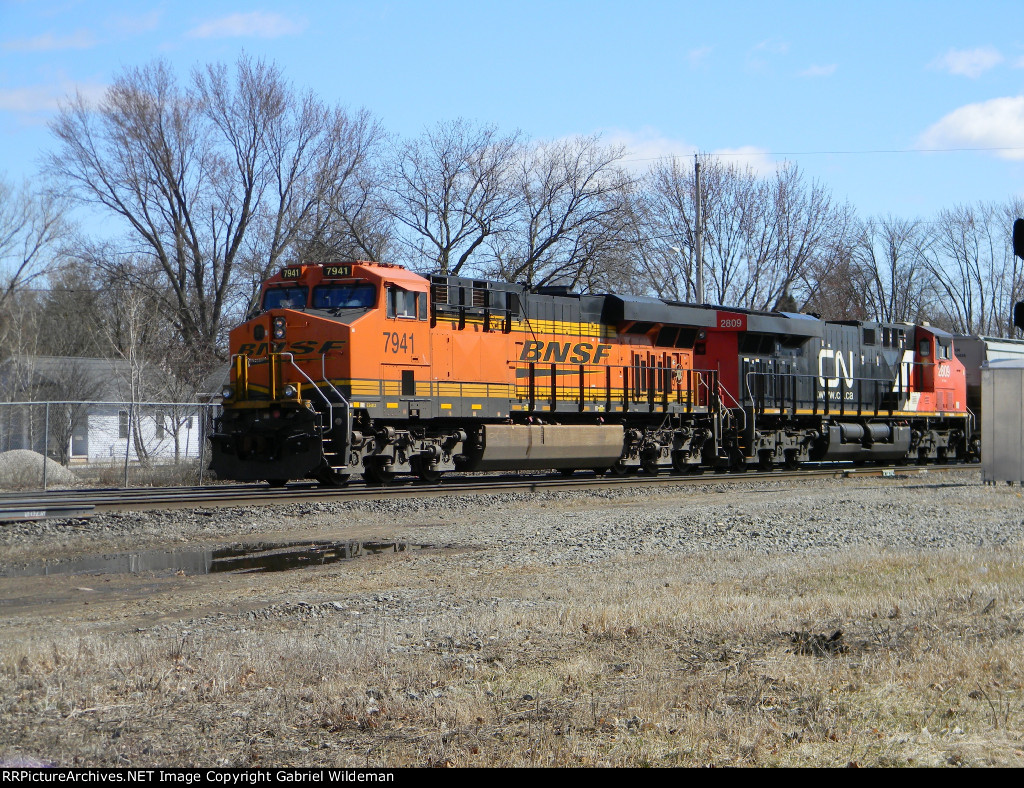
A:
<point x="997" y="123"/>
<point x="761" y="55"/>
<point x="133" y="25"/>
<point x="48" y="42"/>
<point x="647" y="146"/>
<point x="772" y="47"/>
<point x="819" y="71"/>
<point x="44" y="99"/>
<point x="255" y="23"/>
<point x="698" y="55"/>
<point x="749" y="156"/>
<point x="968" y="62"/>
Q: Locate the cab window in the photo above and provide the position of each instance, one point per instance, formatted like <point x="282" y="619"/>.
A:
<point x="405" y="303"/>
<point x="286" y="297"/>
<point x="348" y="295"/>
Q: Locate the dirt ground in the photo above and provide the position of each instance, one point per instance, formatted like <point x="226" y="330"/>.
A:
<point x="483" y="648"/>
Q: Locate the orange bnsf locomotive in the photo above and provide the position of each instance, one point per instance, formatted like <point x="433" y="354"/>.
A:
<point x="369" y="368"/>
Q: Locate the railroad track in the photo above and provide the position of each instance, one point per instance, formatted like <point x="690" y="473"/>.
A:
<point x="16" y="507"/>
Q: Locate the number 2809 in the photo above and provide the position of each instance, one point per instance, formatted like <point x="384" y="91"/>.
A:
<point x="398" y="343"/>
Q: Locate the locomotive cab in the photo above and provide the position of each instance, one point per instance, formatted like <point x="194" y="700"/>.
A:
<point x="288" y="405"/>
<point x="939" y="375"/>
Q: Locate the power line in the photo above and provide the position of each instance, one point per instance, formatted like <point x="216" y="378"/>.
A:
<point x="724" y="154"/>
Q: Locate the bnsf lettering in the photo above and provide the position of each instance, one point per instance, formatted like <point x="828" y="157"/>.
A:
<point x="557" y="351"/>
<point x="301" y="348"/>
<point x="560" y="352"/>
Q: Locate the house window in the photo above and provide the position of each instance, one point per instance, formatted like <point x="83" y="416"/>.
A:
<point x="122" y="424"/>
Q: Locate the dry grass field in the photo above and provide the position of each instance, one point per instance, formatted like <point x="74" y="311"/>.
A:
<point x="695" y="660"/>
<point x="638" y="662"/>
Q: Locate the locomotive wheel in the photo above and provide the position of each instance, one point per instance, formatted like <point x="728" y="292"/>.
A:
<point x="329" y="478"/>
<point x="425" y="473"/>
<point x="650" y="466"/>
<point x="765" y="461"/>
<point x="737" y="462"/>
<point x="277" y="482"/>
<point x="792" y="460"/>
<point x="621" y="469"/>
<point x="376" y="473"/>
<point x="599" y="471"/>
<point x="567" y="472"/>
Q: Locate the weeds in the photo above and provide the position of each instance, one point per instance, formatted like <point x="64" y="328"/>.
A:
<point x="876" y="660"/>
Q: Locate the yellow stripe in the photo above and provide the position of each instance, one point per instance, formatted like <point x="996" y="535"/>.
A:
<point x="532" y="327"/>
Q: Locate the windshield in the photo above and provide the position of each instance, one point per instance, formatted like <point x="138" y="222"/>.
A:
<point x="294" y="297"/>
<point x="347" y="295"/>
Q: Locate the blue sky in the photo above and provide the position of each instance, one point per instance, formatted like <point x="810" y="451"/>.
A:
<point x="853" y="92"/>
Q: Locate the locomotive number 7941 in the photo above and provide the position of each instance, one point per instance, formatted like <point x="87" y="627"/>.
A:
<point x="398" y="343"/>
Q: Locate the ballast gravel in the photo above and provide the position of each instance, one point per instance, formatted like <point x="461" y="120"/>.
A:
<point x="927" y="511"/>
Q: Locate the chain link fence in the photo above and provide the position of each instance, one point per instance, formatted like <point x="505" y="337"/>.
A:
<point x="104" y="443"/>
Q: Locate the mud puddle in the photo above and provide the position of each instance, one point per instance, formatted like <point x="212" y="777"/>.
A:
<point x="255" y="557"/>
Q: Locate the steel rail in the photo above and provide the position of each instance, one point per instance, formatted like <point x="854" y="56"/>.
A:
<point x="80" y="503"/>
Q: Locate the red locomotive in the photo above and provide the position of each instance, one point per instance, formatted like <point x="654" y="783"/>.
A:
<point x="369" y="368"/>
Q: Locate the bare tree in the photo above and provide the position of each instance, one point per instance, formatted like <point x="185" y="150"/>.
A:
<point x="738" y="234"/>
<point x="813" y="239"/>
<point x="450" y="189"/>
<point x="572" y="211"/>
<point x="975" y="271"/>
<point x="213" y="181"/>
<point x="353" y="222"/>
<point x="32" y="225"/>
<point x="890" y="274"/>
<point x="767" y="242"/>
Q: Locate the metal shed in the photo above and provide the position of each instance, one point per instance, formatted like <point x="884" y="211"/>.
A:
<point x="1002" y="423"/>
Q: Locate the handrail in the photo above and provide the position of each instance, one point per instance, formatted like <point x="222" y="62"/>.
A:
<point x="327" y="401"/>
<point x="323" y="372"/>
<point x="900" y="386"/>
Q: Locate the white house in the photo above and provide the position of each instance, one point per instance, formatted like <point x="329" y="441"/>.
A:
<point x="90" y="416"/>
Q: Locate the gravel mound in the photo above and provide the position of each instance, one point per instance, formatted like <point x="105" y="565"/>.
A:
<point x="23" y="468"/>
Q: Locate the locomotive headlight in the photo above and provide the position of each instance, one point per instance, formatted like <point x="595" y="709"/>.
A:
<point x="290" y="392"/>
<point x="227" y="392"/>
<point x="277" y="328"/>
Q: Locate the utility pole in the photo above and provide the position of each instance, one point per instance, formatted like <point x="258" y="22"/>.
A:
<point x="700" y="233"/>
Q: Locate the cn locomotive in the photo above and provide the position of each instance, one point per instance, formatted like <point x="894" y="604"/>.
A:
<point x="364" y="367"/>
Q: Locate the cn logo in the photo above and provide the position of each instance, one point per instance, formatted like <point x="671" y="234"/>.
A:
<point x="839" y="367"/>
